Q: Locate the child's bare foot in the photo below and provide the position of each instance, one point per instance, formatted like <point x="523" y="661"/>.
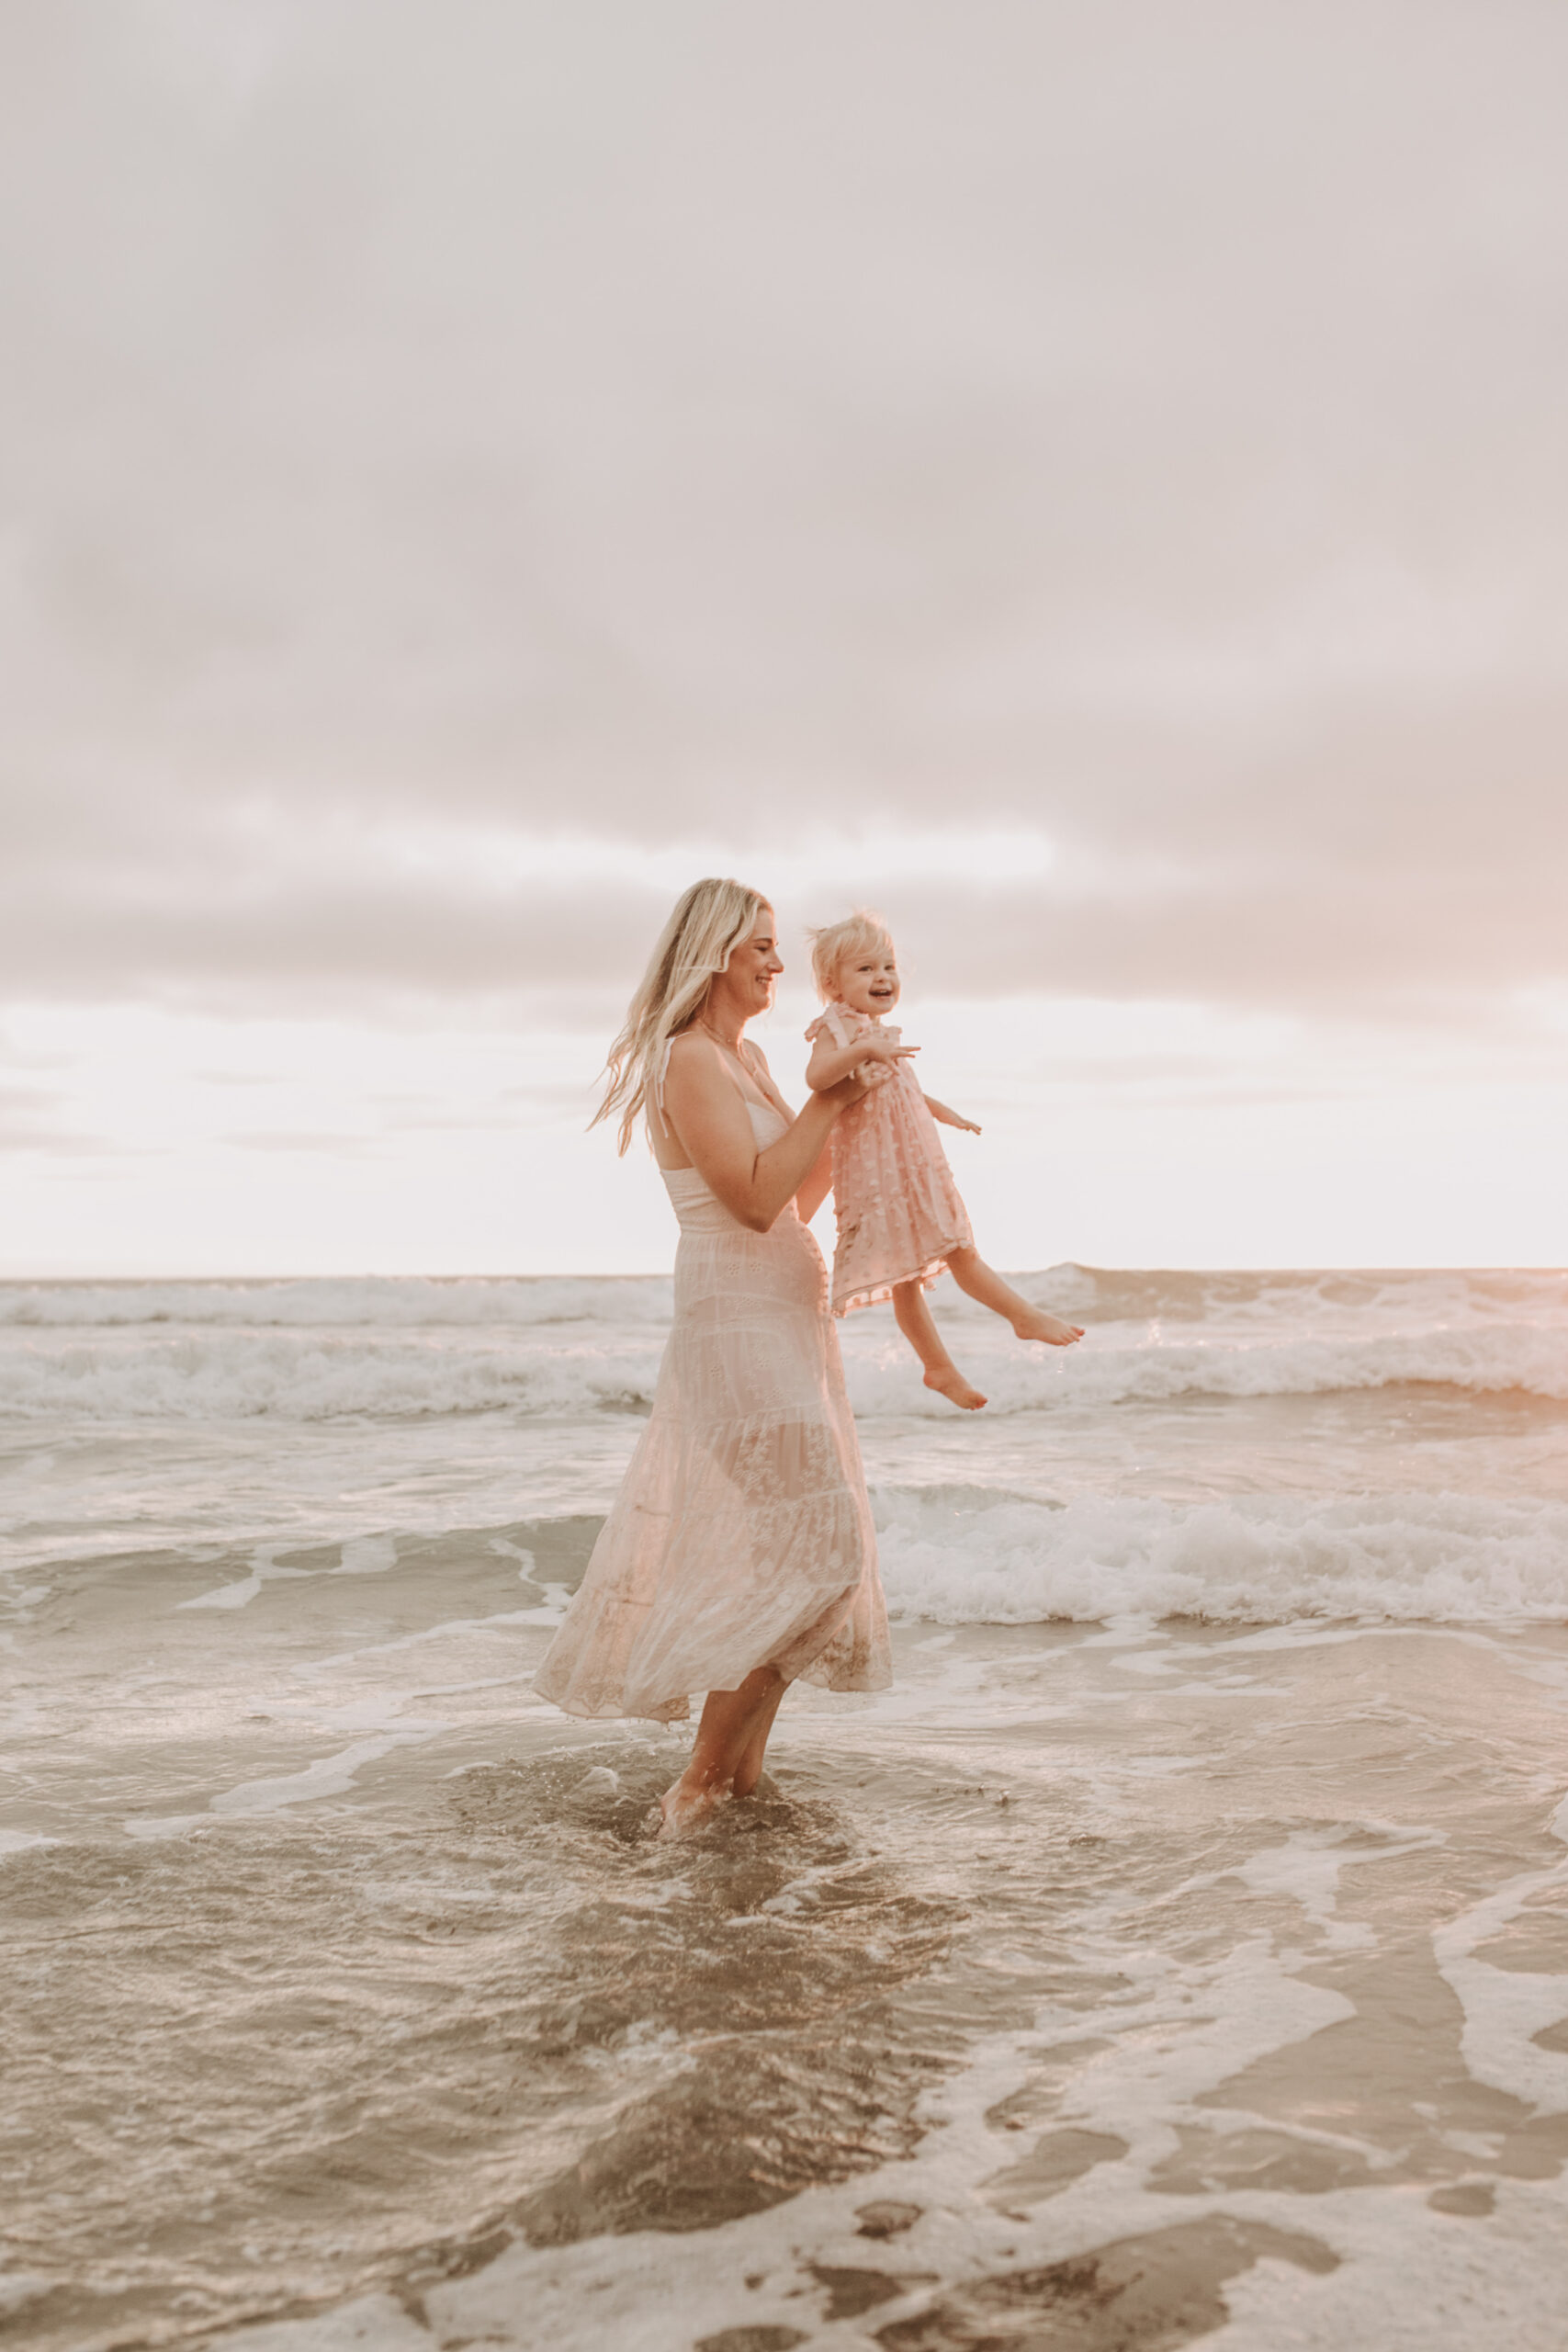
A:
<point x="1035" y="1324"/>
<point x="950" y="1382"/>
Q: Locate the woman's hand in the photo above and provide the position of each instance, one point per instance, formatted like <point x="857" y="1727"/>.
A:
<point x="847" y="1090"/>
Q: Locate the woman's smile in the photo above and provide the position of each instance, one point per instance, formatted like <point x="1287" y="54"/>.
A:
<point x="756" y="963"/>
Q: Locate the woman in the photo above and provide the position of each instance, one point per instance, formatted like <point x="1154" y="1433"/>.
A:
<point x="740" y="1553"/>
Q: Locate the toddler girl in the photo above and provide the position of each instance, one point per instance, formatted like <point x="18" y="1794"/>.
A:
<point x="900" y="1219"/>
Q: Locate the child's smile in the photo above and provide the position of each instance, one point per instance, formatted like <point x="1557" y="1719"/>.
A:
<point x="869" y="983"/>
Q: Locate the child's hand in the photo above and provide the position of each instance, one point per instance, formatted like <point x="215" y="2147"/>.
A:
<point x="877" y="1046"/>
<point x="949" y="1118"/>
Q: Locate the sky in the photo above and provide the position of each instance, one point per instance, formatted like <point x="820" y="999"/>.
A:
<point x="1088" y="480"/>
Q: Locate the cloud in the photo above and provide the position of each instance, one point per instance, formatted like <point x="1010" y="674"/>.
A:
<point x="1142" y="432"/>
<point x="31" y="1120"/>
<point x="1294" y="927"/>
<point x="332" y="1144"/>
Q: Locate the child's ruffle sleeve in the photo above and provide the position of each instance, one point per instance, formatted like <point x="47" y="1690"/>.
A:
<point x="831" y="1024"/>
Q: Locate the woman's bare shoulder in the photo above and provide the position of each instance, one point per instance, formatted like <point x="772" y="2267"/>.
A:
<point x="694" y="1054"/>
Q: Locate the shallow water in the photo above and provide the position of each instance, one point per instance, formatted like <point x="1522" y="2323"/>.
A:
<point x="1119" y="1979"/>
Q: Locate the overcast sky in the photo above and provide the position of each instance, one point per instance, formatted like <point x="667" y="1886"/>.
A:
<point x="1090" y="478"/>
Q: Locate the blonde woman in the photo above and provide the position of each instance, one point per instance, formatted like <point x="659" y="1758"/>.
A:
<point x="740" y="1553"/>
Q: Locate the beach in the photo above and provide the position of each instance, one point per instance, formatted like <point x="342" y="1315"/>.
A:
<point x="1178" y="1951"/>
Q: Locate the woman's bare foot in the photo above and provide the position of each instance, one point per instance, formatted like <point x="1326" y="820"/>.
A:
<point x="683" y="1808"/>
<point x="1035" y="1324"/>
<point x="949" y="1382"/>
<point x="726" y="1758"/>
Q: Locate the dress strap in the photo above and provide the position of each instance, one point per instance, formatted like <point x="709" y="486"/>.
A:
<point x="661" y="1069"/>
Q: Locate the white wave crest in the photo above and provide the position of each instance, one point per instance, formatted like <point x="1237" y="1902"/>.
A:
<point x="394" y="1303"/>
<point x="319" y="1375"/>
<point x="308" y="1350"/>
<point x="211" y="1372"/>
<point x="962" y="1557"/>
<point x="1118" y="1365"/>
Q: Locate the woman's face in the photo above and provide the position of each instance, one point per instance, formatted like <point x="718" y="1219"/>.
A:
<point x="754" y="965"/>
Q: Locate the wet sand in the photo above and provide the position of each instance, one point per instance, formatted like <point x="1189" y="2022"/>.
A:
<point x="1102" y="1988"/>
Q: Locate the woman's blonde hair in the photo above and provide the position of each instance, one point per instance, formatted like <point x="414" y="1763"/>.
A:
<point x="829" y="945"/>
<point x="710" y="920"/>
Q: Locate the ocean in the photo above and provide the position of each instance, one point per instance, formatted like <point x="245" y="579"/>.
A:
<point x="1178" y="1952"/>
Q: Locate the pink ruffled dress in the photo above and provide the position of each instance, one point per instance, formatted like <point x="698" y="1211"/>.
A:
<point x="897" y="1207"/>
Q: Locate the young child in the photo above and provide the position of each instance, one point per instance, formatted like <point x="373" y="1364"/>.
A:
<point x="900" y="1219"/>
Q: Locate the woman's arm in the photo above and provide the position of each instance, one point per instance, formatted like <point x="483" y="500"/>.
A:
<point x="815" y="1187"/>
<point x="704" y="1111"/>
<point x="829" y="1063"/>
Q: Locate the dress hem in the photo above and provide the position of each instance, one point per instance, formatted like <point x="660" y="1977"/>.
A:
<point x="679" y="1710"/>
<point x="873" y="1294"/>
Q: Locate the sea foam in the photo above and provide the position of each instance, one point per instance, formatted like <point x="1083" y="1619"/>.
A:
<point x="962" y="1558"/>
<point x="577" y="1351"/>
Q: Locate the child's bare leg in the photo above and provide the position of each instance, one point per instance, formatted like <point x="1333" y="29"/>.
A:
<point x="981" y="1282"/>
<point x="919" y="1327"/>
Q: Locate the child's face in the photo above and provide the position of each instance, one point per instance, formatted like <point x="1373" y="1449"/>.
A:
<point x="868" y="981"/>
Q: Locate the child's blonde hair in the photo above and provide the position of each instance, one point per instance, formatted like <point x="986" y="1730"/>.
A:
<point x="829" y="945"/>
<point x="709" y="921"/>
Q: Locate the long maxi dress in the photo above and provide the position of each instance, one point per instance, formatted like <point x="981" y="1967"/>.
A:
<point x="742" y="1534"/>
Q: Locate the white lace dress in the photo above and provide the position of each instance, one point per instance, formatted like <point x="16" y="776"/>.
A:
<point x="742" y="1535"/>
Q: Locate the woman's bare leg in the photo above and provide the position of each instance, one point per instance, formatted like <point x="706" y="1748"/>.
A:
<point x="972" y="1275"/>
<point x="725" y="1736"/>
<point x="919" y="1327"/>
<point x="748" y="1772"/>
